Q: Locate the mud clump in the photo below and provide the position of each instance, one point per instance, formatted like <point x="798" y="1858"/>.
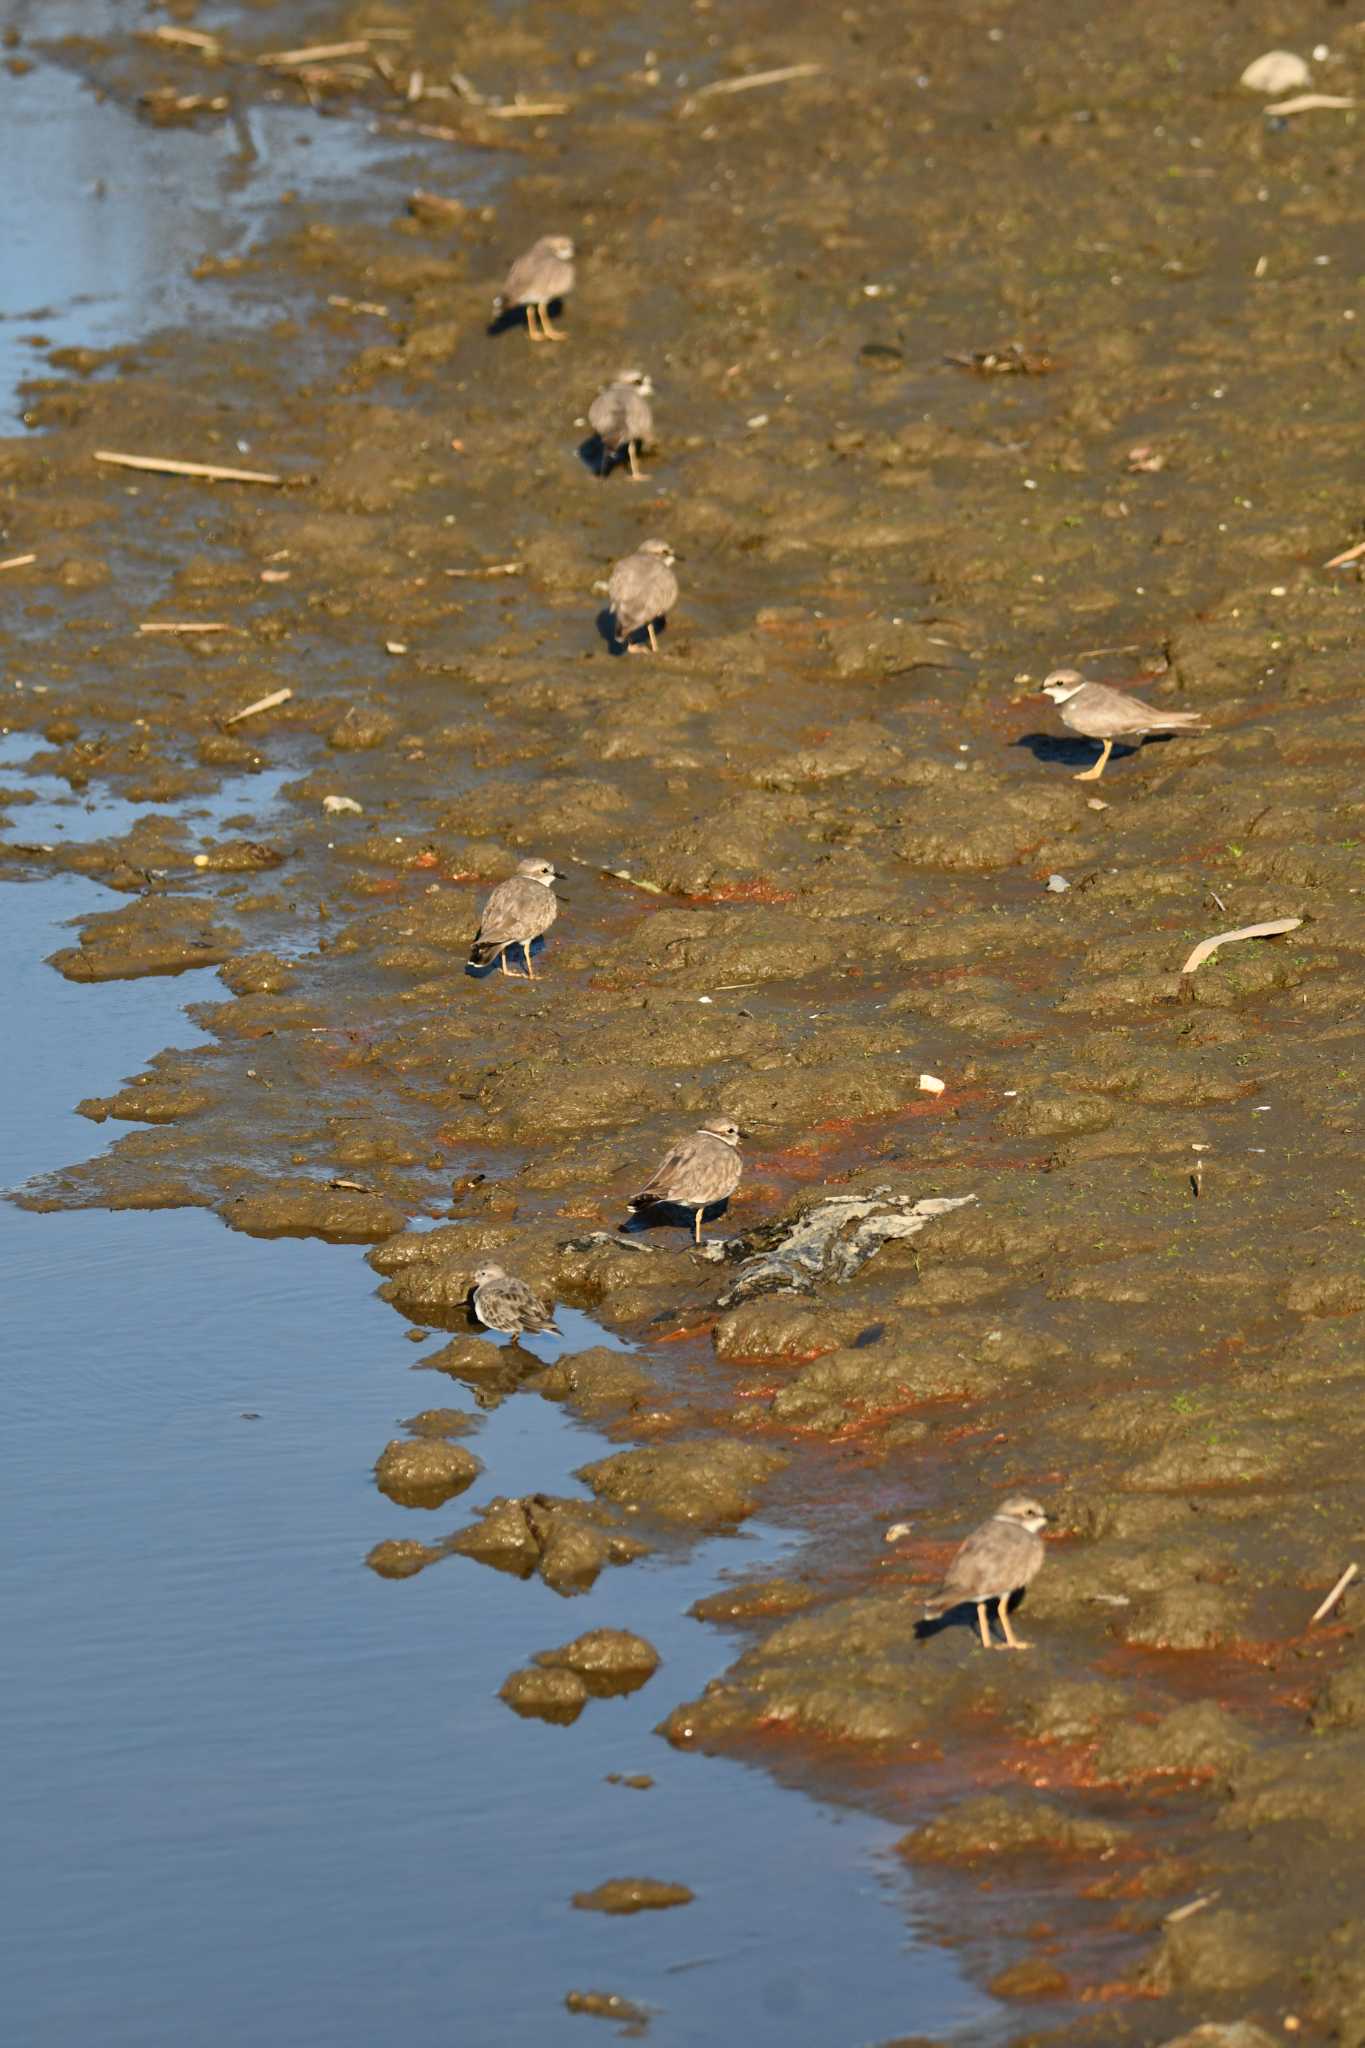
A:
<point x="569" y="1542"/>
<point x="156" y="935"/>
<point x="1234" y="2034"/>
<point x="994" y="1825"/>
<point x="545" y="1695"/>
<point x="1341" y="1702"/>
<point x="607" y="1660"/>
<point x="596" y="1384"/>
<point x="608" y="2005"/>
<point x="1219" y="1951"/>
<point x="1199" y="1741"/>
<point x="401" y="1557"/>
<point x="714" y="1481"/>
<point x="424" y="1473"/>
<point x="753" y="1600"/>
<point x="305" y="1208"/>
<point x="633" y="1895"/>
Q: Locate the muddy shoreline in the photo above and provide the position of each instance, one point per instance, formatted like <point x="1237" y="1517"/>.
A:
<point x="809" y="851"/>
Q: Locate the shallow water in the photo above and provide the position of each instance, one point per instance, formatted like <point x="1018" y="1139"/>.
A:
<point x="255" y="1779"/>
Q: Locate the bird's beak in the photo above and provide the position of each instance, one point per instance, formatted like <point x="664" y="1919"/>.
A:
<point x="560" y="875"/>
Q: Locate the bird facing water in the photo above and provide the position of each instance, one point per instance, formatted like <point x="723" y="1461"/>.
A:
<point x="517" y="912"/>
<point x="1098" y="712"/>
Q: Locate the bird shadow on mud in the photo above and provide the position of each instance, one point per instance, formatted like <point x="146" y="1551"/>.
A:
<point x="516" y="966"/>
<point x="593" y="456"/>
<point x="964" y="1616"/>
<point x="606" y="626"/>
<point x="669" y="1215"/>
<point x="518" y="316"/>
<point x="1055" y="749"/>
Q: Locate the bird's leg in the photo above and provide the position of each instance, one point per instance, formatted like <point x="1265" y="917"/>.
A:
<point x="1094" y="774"/>
<point x="984" y="1626"/>
<point x="526" y="956"/>
<point x="502" y="959"/>
<point x="637" y="475"/>
<point x="1012" y="1641"/>
<point x="653" y="638"/>
<point x="550" y="333"/>
<point x="532" y="329"/>
<point x="696" y="1224"/>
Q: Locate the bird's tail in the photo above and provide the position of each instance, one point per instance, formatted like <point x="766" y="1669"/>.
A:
<point x="1182" y="721"/>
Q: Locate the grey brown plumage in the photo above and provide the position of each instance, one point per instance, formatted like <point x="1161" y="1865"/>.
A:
<point x="1099" y="712"/>
<point x="519" y="911"/>
<point x="545" y="273"/>
<point x="698" y="1171"/>
<point x="998" y="1559"/>
<point x="621" y="418"/>
<point x="508" y="1305"/>
<point x="642" y="589"/>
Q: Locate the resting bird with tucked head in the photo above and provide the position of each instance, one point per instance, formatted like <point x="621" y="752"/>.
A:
<point x="997" y="1560"/>
<point x="700" y="1170"/>
<point x="641" y="589"/>
<point x="1098" y="712"/>
<point x="545" y="273"/>
<point x="517" y="912"/>
<point x="509" y="1306"/>
<point x="621" y="417"/>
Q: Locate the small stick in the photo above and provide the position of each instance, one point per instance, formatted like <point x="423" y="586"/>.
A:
<point x="1271" y="929"/>
<point x="316" y="53"/>
<point x="1342" y="1583"/>
<point x="18" y="562"/>
<point x="493" y="569"/>
<point x="357" y="305"/>
<point x="261" y="704"/>
<point x="527" y="110"/>
<point x="187" y="626"/>
<point x="187" y="38"/>
<point x="749" y="81"/>
<point x="1309" y="103"/>
<point x="1351" y="555"/>
<point x="166" y="465"/>
<point x="1187" y="1912"/>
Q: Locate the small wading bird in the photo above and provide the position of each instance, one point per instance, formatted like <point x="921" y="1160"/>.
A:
<point x="996" y="1561"/>
<point x="1100" y="713"/>
<point x="516" y="914"/>
<point x="509" y="1306"/>
<point x="545" y="273"/>
<point x="700" y="1170"/>
<point x="641" y="589"/>
<point x="621" y="417"/>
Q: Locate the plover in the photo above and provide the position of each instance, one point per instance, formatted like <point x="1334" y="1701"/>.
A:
<point x="701" y="1169"/>
<point x="1099" y="713"/>
<point x="996" y="1560"/>
<point x="509" y="1306"/>
<point x="621" y="417"/>
<point x="545" y="273"/>
<point x="641" y="589"/>
<point x="516" y="914"/>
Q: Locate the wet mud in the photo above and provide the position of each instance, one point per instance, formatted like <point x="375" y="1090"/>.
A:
<point x="814" y="849"/>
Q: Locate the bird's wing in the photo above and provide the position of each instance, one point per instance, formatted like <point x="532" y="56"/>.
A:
<point x="510" y="911"/>
<point x="639" y="420"/>
<point x="521" y="279"/>
<point x="674" y="1165"/>
<point x="607" y="415"/>
<point x="985" y="1564"/>
<point x="1120" y="712"/>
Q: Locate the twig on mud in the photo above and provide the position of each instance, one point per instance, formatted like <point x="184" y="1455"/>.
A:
<point x="1309" y="103"/>
<point x="1351" y="1572"/>
<point x="357" y="305"/>
<point x="526" y="110"/>
<point x="316" y="53"/>
<point x="187" y="626"/>
<point x="193" y="39"/>
<point x="1351" y="555"/>
<point x="492" y="569"/>
<point x="1187" y="1912"/>
<point x="1271" y="929"/>
<point x="261" y="704"/>
<point x="18" y="562"/>
<point x="748" y="83"/>
<point x="167" y="465"/>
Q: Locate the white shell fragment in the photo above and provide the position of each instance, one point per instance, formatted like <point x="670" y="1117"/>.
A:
<point x="931" y="1085"/>
<point x="1058" y="884"/>
<point x="335" y="805"/>
<point x="1277" y="71"/>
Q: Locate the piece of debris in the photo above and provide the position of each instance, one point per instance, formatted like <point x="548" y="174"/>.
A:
<point x="1270" y="930"/>
<point x="316" y="53"/>
<point x="1310" y="103"/>
<point x="261" y="704"/>
<point x="357" y="305"/>
<point x="1011" y="359"/>
<point x="1351" y="1572"/>
<point x="1145" y="461"/>
<point x="1337" y="562"/>
<point x="748" y="83"/>
<point x="1188" y="1911"/>
<point x="167" y="465"/>
<point x="834" y="1240"/>
<point x="22" y="562"/>
<point x="163" y="104"/>
<point x="335" y="805"/>
<point x="1276" y="71"/>
<point x="187" y="626"/>
<point x="931" y="1085"/>
<point x="1058" y="884"/>
<point x="493" y="568"/>
<point x="395" y="647"/>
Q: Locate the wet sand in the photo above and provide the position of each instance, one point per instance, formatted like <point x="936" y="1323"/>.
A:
<point x="810" y="846"/>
